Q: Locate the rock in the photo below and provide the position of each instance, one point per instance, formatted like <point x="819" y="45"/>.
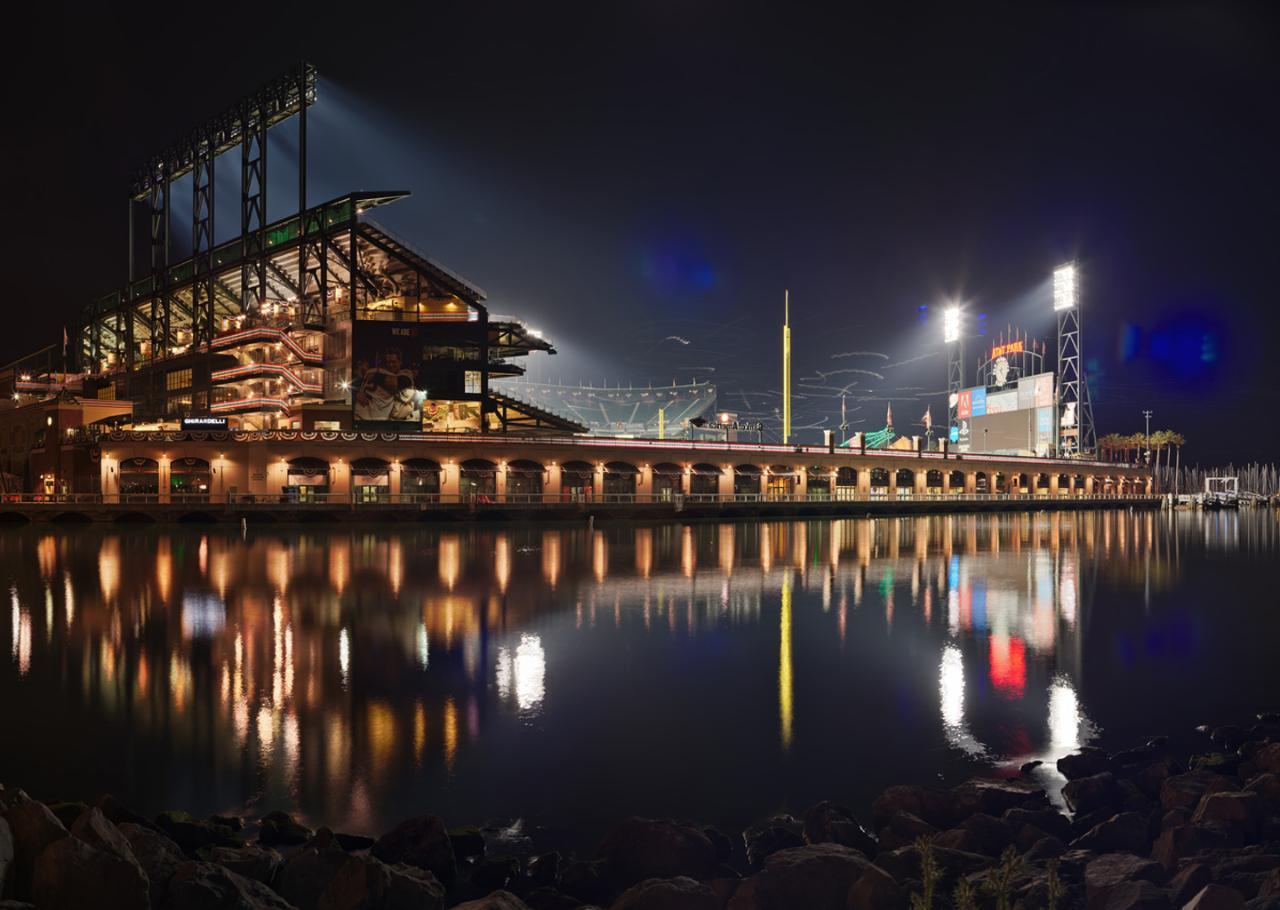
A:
<point x="1090" y="794"/>
<point x="1050" y="821"/>
<point x="639" y="848"/>
<point x="902" y="831"/>
<point x="1176" y="817"/>
<point x="467" y="841"/>
<point x="159" y="857"/>
<point x="252" y="861"/>
<point x="815" y="877"/>
<point x="904" y="863"/>
<point x="830" y="823"/>
<point x="768" y="838"/>
<point x="93" y="828"/>
<point x="721" y="841"/>
<point x="1150" y="778"/>
<point x="6" y="853"/>
<point x="1266" y="785"/>
<point x="995" y="797"/>
<point x="193" y="833"/>
<point x="234" y="822"/>
<point x="1045" y="848"/>
<point x="421" y="842"/>
<point x="1085" y="763"/>
<point x="1268" y="758"/>
<point x="1134" y="895"/>
<point x="33" y="828"/>
<point x="667" y="894"/>
<point x="208" y="886"/>
<point x="550" y="899"/>
<point x="279" y="829"/>
<point x="119" y="814"/>
<point x="1242" y="810"/>
<point x="306" y="873"/>
<point x="544" y="870"/>
<point x="1026" y="768"/>
<point x="70" y="874"/>
<point x="366" y="883"/>
<point x="353" y="842"/>
<point x="1188" y="882"/>
<point x="1228" y="736"/>
<point x="1175" y="843"/>
<point x="492" y="873"/>
<point x="979" y="833"/>
<point x="937" y="807"/>
<point x="585" y="880"/>
<point x="1186" y="790"/>
<point x="875" y="890"/>
<point x="67" y="812"/>
<point x="1216" y="897"/>
<point x="1128" y="832"/>
<point x="1112" y="869"/>
<point x="1270" y="889"/>
<point x="498" y="900"/>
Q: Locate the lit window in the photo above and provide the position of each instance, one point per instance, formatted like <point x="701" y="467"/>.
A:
<point x="471" y="378"/>
<point x="178" y="379"/>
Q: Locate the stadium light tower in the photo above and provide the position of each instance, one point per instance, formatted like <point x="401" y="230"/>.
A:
<point x="1075" y="411"/>
<point x="955" y="362"/>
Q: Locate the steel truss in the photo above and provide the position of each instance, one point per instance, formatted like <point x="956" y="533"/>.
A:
<point x="1076" y="434"/>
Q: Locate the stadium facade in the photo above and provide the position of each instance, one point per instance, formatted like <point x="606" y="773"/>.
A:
<point x="649" y="412"/>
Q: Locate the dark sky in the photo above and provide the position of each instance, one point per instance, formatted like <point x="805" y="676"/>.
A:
<point x="617" y="175"/>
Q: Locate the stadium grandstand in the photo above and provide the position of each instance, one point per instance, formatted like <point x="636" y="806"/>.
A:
<point x="621" y="411"/>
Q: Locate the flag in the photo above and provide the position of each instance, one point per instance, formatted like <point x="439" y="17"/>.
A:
<point x="888" y="416"/>
<point x="928" y="418"/>
<point x="64" y="341"/>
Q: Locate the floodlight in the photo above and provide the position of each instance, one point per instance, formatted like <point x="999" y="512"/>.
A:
<point x="1064" y="287"/>
<point x="951" y="324"/>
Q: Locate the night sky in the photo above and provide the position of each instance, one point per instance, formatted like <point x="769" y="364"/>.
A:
<point x="630" y="179"/>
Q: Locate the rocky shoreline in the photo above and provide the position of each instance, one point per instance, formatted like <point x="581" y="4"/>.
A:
<point x="1146" y="830"/>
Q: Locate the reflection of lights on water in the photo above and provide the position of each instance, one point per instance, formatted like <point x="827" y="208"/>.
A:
<point x="344" y="655"/>
<point x="785" y="685"/>
<point x="423" y="647"/>
<point x="1064" y="717"/>
<point x="450" y="732"/>
<point x="203" y="614"/>
<point x="68" y="599"/>
<point x="109" y="569"/>
<point x="21" y="641"/>
<point x="524" y="673"/>
<point x="419" y="731"/>
<point x="951" y="699"/>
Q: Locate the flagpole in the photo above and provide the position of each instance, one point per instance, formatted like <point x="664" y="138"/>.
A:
<point x="786" y="367"/>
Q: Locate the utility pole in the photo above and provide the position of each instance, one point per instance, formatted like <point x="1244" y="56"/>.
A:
<point x="1147" y="416"/>
<point x="786" y="367"/>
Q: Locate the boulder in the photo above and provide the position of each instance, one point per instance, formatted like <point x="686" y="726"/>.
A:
<point x="252" y="861"/>
<point x="1186" y="790"/>
<point x="1131" y="895"/>
<point x="279" y="829"/>
<point x="366" y="883"/>
<point x="67" y="811"/>
<point x="159" y="857"/>
<point x="70" y="874"/>
<point x="1051" y="821"/>
<point x="667" y="894"/>
<point x="997" y="796"/>
<point x="544" y="870"/>
<point x="1111" y="869"/>
<point x="492" y="873"/>
<point x="767" y="838"/>
<point x="1128" y="832"/>
<point x="94" y="829"/>
<point x="353" y="842"/>
<point x="1150" y="777"/>
<point x="721" y="841"/>
<point x="1085" y="763"/>
<point x="815" y="877"/>
<point x="498" y="900"/>
<point x="117" y="813"/>
<point x="208" y="886"/>
<point x="423" y="842"/>
<point x="1216" y="897"/>
<point x="467" y="841"/>
<point x="640" y="848"/>
<point x="904" y="863"/>
<point x="979" y="833"/>
<point x="32" y="827"/>
<point x="1188" y="882"/>
<point x="1186" y="840"/>
<point x="937" y="807"/>
<point x="307" y="872"/>
<point x="191" y="833"/>
<point x="902" y="830"/>
<point x="544" y="898"/>
<point x="875" y="890"/>
<point x="1266" y="785"/>
<point x="1243" y="810"/>
<point x="1045" y="849"/>
<point x="830" y="823"/>
<point x="1090" y="794"/>
<point x="586" y="880"/>
<point x="1268" y="758"/>
<point x="6" y="853"/>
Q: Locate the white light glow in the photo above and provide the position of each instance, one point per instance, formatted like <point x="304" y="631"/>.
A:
<point x="951" y="697"/>
<point x="1064" y="287"/>
<point x="951" y="324"/>
<point x="523" y="675"/>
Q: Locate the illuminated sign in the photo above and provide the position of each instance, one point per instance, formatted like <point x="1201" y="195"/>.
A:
<point x="964" y="406"/>
<point x="979" y="401"/>
<point x="1013" y="347"/>
<point x="204" y="423"/>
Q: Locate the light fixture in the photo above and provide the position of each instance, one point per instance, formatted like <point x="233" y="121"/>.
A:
<point x="1064" y="287"/>
<point x="951" y="324"/>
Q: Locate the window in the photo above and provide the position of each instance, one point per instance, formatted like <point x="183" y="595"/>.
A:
<point x="328" y="425"/>
<point x="178" y="379"/>
<point x="472" y="381"/>
<point x="178" y="406"/>
<point x="107" y="392"/>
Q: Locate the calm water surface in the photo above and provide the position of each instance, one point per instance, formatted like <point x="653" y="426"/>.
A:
<point x="570" y="676"/>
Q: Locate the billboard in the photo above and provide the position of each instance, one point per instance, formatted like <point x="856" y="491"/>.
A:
<point x="1002" y="402"/>
<point x="964" y="405"/>
<point x="979" y="401"/>
<point x="1016" y="421"/>
<point x="410" y="377"/>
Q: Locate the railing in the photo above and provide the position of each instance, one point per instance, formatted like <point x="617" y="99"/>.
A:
<point x="533" y="500"/>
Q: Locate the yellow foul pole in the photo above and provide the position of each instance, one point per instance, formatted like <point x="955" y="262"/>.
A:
<point x="786" y="367"/>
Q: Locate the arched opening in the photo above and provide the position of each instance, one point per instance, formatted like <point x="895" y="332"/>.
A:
<point x="746" y="481"/>
<point x="668" y="481"/>
<point x="420" y="480"/>
<point x="1021" y="483"/>
<point x="1042" y="484"/>
<point x="577" y="481"/>
<point x="1000" y="483"/>
<point x="817" y="482"/>
<point x="478" y="479"/>
<point x="1064" y="485"/>
<point x="190" y="480"/>
<point x="982" y="482"/>
<point x="904" y="479"/>
<point x="1077" y="487"/>
<point x="781" y="481"/>
<point x="880" y="481"/>
<point x="957" y="481"/>
<point x="524" y="481"/>
<point x="139" y="479"/>
<point x="933" y="482"/>
<point x="306" y="480"/>
<point x="704" y="480"/>
<point x="370" y="480"/>
<point x="620" y="479"/>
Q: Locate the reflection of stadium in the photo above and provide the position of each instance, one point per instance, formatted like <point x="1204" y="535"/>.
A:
<point x="623" y="412"/>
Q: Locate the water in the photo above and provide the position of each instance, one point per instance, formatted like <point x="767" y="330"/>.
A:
<point x="570" y="677"/>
